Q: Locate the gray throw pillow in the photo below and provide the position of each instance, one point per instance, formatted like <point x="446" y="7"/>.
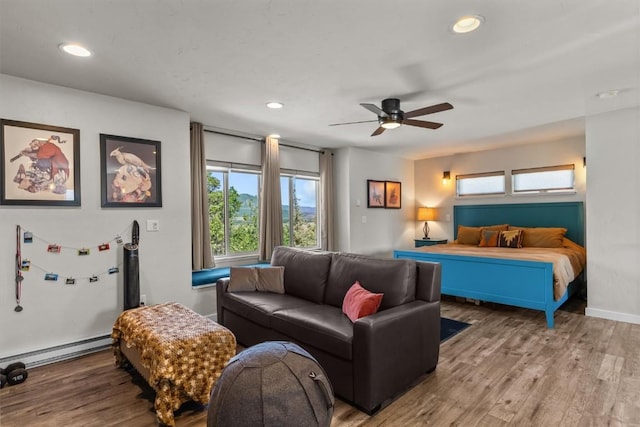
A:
<point x="271" y="279"/>
<point x="243" y="279"/>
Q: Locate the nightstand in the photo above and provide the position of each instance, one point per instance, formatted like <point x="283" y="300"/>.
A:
<point x="429" y="242"/>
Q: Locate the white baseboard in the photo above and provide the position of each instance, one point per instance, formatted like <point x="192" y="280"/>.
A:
<point x="60" y="352"/>
<point x="612" y="315"/>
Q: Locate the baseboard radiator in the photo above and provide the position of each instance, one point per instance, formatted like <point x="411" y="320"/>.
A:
<point x="60" y="352"/>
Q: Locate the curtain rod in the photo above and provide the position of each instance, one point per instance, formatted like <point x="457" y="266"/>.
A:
<point x="262" y="140"/>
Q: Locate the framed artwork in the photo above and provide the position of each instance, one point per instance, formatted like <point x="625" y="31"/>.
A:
<point x="40" y="164"/>
<point x="130" y="172"/>
<point x="392" y="195"/>
<point x="375" y="194"/>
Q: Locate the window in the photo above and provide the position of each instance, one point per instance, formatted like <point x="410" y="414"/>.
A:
<point x="300" y="210"/>
<point x="233" y="208"/>
<point x="543" y="180"/>
<point x="480" y="184"/>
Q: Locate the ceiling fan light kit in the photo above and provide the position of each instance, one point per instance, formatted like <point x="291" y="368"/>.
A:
<point x="390" y="116"/>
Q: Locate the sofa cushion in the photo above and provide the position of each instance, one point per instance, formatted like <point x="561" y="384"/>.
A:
<point x="318" y="325"/>
<point x="359" y="302"/>
<point x="305" y="272"/>
<point x="395" y="278"/>
<point x="259" y="306"/>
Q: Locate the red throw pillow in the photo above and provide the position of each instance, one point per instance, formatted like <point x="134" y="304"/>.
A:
<point x="359" y="302"/>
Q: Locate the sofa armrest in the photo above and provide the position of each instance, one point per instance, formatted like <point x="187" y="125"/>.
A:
<point x="221" y="289"/>
<point x="392" y="348"/>
<point x="428" y="283"/>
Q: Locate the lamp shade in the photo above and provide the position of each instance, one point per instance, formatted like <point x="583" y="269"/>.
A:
<point x="426" y="214"/>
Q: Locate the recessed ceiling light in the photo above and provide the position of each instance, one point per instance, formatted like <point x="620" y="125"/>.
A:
<point x="275" y="104"/>
<point x="75" y="49"/>
<point x="468" y="23"/>
<point x="275" y="135"/>
<point x="608" y="94"/>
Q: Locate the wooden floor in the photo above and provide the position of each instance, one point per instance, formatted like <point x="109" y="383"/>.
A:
<point x="505" y="369"/>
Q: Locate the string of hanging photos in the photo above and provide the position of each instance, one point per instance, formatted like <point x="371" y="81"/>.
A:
<point x="27" y="237"/>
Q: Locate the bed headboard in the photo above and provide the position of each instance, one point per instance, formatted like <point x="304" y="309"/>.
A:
<point x="569" y="215"/>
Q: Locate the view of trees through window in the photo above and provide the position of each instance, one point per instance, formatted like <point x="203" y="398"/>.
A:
<point x="234" y="211"/>
<point x="301" y="193"/>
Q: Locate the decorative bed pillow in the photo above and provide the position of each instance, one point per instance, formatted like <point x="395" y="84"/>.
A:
<point x="542" y="237"/>
<point x="359" y="302"/>
<point x="270" y="279"/>
<point x="242" y="279"/>
<point x="510" y="239"/>
<point x="489" y="237"/>
<point x="471" y="235"/>
<point x="468" y="235"/>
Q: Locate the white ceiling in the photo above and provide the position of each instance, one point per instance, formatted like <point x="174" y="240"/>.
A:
<point x="529" y="74"/>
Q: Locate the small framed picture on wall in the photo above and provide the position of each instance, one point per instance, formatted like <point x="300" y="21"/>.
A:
<point x="392" y="195"/>
<point x="375" y="194"/>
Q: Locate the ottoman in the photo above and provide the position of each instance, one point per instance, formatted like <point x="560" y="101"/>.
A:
<point x="180" y="353"/>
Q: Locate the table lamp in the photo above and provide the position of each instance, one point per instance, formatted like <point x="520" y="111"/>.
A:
<point x="426" y="215"/>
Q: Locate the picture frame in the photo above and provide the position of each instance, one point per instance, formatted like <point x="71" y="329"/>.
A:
<point x="375" y="194"/>
<point x="130" y="172"/>
<point x="392" y="194"/>
<point x="40" y="164"/>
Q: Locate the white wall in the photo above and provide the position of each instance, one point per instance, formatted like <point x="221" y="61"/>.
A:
<point x="431" y="192"/>
<point x="54" y="313"/>
<point x="613" y="213"/>
<point x="384" y="229"/>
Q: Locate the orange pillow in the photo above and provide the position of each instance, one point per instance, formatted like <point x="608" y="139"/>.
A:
<point x="359" y="302"/>
<point x="471" y="235"/>
<point x="489" y="237"/>
<point x="542" y="237"/>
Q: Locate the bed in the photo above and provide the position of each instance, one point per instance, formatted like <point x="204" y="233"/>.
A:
<point x="520" y="283"/>
<point x="178" y="352"/>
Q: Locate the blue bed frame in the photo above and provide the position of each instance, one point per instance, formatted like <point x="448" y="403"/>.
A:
<point x="527" y="284"/>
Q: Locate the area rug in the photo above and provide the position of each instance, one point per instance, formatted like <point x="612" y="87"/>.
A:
<point x="450" y="327"/>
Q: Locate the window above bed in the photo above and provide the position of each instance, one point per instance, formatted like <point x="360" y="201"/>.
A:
<point x="550" y="179"/>
<point x="480" y="184"/>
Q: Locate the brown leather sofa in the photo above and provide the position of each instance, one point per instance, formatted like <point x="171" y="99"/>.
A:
<point x="369" y="361"/>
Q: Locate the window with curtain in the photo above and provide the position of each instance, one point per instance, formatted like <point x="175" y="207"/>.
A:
<point x="548" y="179"/>
<point x="300" y="216"/>
<point x="480" y="184"/>
<point x="233" y="208"/>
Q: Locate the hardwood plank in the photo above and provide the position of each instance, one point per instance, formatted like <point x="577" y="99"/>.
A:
<point x="505" y="369"/>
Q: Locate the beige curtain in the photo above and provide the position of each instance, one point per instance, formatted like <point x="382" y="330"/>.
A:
<point x="327" y="239"/>
<point x="270" y="199"/>
<point x="201" y="256"/>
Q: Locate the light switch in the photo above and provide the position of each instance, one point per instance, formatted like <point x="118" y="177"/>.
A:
<point x="153" y="225"/>
<point x="364" y="219"/>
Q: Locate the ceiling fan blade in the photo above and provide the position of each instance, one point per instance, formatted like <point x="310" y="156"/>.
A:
<point x="421" y="123"/>
<point x="378" y="131"/>
<point x="375" y="109"/>
<point x="428" y="110"/>
<point x="352" y="123"/>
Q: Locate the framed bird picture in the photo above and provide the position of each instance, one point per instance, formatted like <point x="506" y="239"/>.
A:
<point x="39" y="164"/>
<point x="130" y="172"/>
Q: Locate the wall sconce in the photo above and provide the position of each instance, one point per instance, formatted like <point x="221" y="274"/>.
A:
<point x="426" y="215"/>
<point x="446" y="176"/>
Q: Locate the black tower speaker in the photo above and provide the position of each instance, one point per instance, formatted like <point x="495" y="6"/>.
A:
<point x="132" y="270"/>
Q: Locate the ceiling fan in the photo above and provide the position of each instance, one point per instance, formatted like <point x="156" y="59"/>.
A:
<point x="390" y="116"/>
